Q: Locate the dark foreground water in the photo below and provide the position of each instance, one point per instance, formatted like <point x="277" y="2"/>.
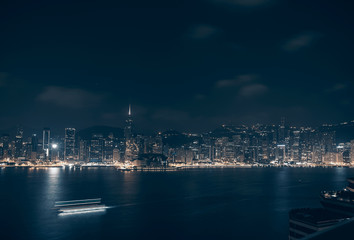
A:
<point x="196" y="204"/>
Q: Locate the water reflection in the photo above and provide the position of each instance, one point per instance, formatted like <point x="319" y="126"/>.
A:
<point x="53" y="186"/>
<point x="218" y="204"/>
<point x="339" y="175"/>
<point x="281" y="189"/>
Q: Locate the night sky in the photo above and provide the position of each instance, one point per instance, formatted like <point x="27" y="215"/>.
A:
<point x="189" y="65"/>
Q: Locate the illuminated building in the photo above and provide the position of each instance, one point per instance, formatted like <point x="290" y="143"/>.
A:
<point x="131" y="150"/>
<point x="96" y="148"/>
<point x="69" y="144"/>
<point x="281" y="131"/>
<point x="295" y="147"/>
<point x="332" y="158"/>
<point x="55" y="151"/>
<point x="108" y="148"/>
<point x="5" y="140"/>
<point x="46" y="142"/>
<point x="281" y="154"/>
<point x="19" y="143"/>
<point x="83" y="150"/>
<point x="152" y="145"/>
<point x="128" y="130"/>
<point x="34" y="147"/>
<point x="131" y="147"/>
<point x="116" y="155"/>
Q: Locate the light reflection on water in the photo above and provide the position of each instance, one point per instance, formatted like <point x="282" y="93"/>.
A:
<point x="210" y="204"/>
<point x="339" y="175"/>
<point x="53" y="186"/>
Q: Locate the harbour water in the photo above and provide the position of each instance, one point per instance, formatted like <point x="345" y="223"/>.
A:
<point x="232" y="203"/>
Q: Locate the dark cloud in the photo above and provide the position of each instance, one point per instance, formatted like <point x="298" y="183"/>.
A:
<point x="253" y="90"/>
<point x="237" y="81"/>
<point x="170" y="115"/>
<point x="199" y="97"/>
<point x="69" y="97"/>
<point x="202" y="31"/>
<point x="246" y="85"/>
<point x="337" y="87"/>
<point x="301" y="41"/>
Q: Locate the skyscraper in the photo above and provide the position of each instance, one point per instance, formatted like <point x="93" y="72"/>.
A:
<point x="5" y="140"/>
<point x="19" y="143"/>
<point x="46" y="142"/>
<point x="131" y="147"/>
<point x="281" y="131"/>
<point x="83" y="150"/>
<point x="128" y="130"/>
<point x="69" y="144"/>
<point x="34" y="147"/>
<point x="96" y="148"/>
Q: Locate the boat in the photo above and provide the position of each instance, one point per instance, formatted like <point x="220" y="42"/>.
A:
<point x="80" y="206"/>
<point x="340" y="201"/>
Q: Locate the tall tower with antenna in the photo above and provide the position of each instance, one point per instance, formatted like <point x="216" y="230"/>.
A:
<point x="131" y="147"/>
<point x="128" y="130"/>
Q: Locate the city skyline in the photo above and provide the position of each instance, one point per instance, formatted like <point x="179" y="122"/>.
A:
<point x="270" y="145"/>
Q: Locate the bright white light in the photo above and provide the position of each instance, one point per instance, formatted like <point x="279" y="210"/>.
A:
<point x="81" y="212"/>
<point x="54" y="146"/>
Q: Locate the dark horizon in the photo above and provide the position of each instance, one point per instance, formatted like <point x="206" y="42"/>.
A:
<point x="191" y="65"/>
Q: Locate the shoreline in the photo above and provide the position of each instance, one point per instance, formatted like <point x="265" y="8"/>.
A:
<point x="171" y="168"/>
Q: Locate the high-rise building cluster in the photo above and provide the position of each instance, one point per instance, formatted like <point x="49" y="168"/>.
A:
<point x="257" y="144"/>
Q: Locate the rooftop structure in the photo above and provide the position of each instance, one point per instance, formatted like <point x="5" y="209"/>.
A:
<point x="306" y="221"/>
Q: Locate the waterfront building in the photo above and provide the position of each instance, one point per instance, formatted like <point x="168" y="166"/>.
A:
<point x="108" y="148"/>
<point x="83" y="150"/>
<point x="131" y="150"/>
<point x="19" y="151"/>
<point x="46" y="142"/>
<point x="34" y="147"/>
<point x="96" y="148"/>
<point x="295" y="146"/>
<point x="131" y="146"/>
<point x="69" y="144"/>
<point x="116" y="155"/>
<point x="128" y="130"/>
<point x="281" y="153"/>
<point x="333" y="158"/>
